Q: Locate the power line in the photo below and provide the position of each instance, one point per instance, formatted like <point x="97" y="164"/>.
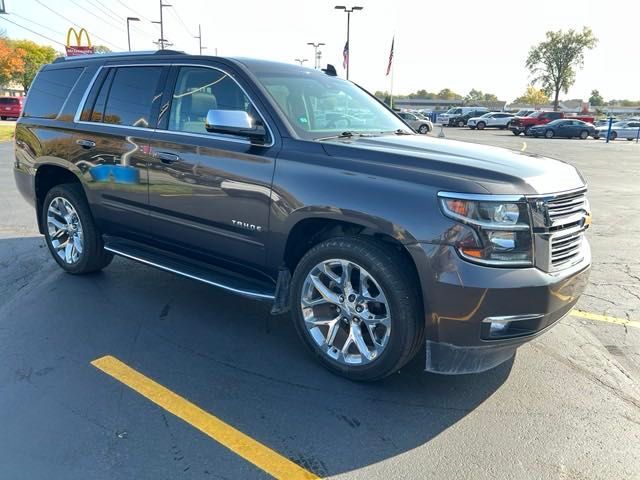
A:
<point x="78" y="26"/>
<point x="175" y="11"/>
<point x="4" y="17"/>
<point x="36" y="23"/>
<point x="110" y="22"/>
<point x="103" y="10"/>
<point x="115" y="14"/>
<point x="138" y="14"/>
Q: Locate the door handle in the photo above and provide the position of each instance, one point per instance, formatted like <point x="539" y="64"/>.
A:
<point x="166" y="157"/>
<point x="86" y="143"/>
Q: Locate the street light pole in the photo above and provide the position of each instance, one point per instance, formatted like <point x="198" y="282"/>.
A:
<point x="300" y="60"/>
<point x="348" y="11"/>
<point x="316" y="57"/>
<point x="130" y="19"/>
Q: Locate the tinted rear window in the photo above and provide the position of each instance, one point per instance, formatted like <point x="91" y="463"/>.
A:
<point x="49" y="92"/>
<point x="8" y="101"/>
<point x="131" y="96"/>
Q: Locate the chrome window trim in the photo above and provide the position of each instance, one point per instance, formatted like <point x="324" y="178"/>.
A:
<point x="210" y="136"/>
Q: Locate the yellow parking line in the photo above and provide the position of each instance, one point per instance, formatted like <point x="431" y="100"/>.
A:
<point x="251" y="450"/>
<point x="604" y="318"/>
<point x="524" y="146"/>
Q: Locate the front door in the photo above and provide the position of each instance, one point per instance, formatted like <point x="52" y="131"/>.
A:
<point x="209" y="193"/>
<point x="111" y="146"/>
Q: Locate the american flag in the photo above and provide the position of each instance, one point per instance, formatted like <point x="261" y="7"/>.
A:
<point x="345" y="55"/>
<point x="391" y="56"/>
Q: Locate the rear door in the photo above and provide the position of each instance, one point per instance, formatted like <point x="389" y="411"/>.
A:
<point x="111" y="145"/>
<point x="210" y="193"/>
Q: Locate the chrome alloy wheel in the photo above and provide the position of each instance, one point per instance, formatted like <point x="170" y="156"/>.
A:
<point x="346" y="312"/>
<point x="65" y="230"/>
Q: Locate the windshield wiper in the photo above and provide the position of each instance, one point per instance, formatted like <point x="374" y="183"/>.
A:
<point x="347" y="134"/>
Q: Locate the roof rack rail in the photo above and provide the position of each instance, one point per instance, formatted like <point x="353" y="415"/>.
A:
<point x="118" y="54"/>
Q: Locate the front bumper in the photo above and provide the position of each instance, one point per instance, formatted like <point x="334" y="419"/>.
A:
<point x="517" y="129"/>
<point x="459" y="296"/>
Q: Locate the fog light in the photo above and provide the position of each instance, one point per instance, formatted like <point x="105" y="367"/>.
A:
<point x="496" y="329"/>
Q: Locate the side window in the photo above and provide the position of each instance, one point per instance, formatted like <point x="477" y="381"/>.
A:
<point x="131" y="96"/>
<point x="199" y="90"/>
<point x="49" y="92"/>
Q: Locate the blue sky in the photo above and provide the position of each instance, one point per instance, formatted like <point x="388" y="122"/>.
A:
<point x="460" y="45"/>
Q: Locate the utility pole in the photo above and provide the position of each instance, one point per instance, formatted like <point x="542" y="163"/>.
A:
<point x="348" y="11"/>
<point x="199" y="37"/>
<point x="162" y="41"/>
<point x="316" y="53"/>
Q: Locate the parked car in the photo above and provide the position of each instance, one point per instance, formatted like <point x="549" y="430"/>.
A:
<point x="461" y="120"/>
<point x="500" y="120"/>
<point x="564" y="128"/>
<point x="628" y="130"/>
<point x="524" y="113"/>
<point x="460" y="115"/>
<point x="229" y="171"/>
<point x="605" y="122"/>
<point x="419" y="124"/>
<point x="522" y="124"/>
<point x="10" y="107"/>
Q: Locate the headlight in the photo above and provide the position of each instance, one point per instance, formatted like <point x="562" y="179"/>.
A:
<point x="501" y="223"/>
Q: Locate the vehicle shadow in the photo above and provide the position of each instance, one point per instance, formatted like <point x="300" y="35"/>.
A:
<point x="226" y="354"/>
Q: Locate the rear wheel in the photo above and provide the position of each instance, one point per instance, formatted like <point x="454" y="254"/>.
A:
<point x="423" y="129"/>
<point x="461" y="123"/>
<point x="481" y="125"/>
<point x="72" y="237"/>
<point x="356" y="307"/>
<point x="549" y="134"/>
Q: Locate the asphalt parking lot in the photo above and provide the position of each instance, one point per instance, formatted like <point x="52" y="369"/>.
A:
<point x="567" y="407"/>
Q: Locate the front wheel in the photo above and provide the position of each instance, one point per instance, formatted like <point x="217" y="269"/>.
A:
<point x="549" y="134"/>
<point x="72" y="237"/>
<point x="613" y="136"/>
<point x="356" y="307"/>
<point x="515" y="132"/>
<point x="584" y="134"/>
<point x="481" y="125"/>
<point x="424" y="129"/>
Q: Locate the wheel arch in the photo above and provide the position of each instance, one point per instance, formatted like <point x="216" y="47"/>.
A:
<point x="47" y="176"/>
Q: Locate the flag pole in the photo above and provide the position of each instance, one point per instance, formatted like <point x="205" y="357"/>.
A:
<point x="393" y="68"/>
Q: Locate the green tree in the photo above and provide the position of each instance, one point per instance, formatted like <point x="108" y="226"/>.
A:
<point x="553" y="63"/>
<point x="490" y="97"/>
<point x="34" y="57"/>
<point x="533" y="96"/>
<point x="447" y="94"/>
<point x="101" y="49"/>
<point x="596" y="99"/>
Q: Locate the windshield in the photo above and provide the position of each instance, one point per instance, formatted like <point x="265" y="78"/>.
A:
<point x="522" y="113"/>
<point x="318" y="105"/>
<point x="534" y="114"/>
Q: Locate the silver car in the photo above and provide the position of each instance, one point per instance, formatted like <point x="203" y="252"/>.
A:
<point x="627" y="129"/>
<point x="419" y="124"/>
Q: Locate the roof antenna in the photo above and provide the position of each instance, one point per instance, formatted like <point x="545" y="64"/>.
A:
<point x="330" y="70"/>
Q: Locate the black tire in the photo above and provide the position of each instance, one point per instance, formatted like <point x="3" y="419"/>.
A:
<point x="460" y="123"/>
<point x="613" y="135"/>
<point x="3" y="118"/>
<point x="481" y="125"/>
<point x="526" y="131"/>
<point x="93" y="257"/>
<point x="584" y="135"/>
<point x="390" y="270"/>
<point x="424" y="129"/>
<point x="549" y="134"/>
<point x="472" y="128"/>
<point x="630" y="139"/>
<point x="515" y="132"/>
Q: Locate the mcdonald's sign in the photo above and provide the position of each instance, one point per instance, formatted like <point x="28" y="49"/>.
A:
<point x="78" y="48"/>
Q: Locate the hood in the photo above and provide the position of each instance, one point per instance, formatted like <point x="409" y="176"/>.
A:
<point x="496" y="170"/>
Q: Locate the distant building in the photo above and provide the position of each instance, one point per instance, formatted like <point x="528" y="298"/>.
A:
<point x="439" y="104"/>
<point x="11" y="90"/>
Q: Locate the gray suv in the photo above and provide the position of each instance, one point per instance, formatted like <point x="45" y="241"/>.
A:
<point x="294" y="187"/>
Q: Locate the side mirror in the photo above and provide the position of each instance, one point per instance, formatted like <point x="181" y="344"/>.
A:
<point x="235" y="122"/>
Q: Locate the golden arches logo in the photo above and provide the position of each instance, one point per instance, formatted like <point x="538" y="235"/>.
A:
<point x="78" y="36"/>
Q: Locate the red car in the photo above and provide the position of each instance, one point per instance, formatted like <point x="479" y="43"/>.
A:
<point x="10" y="107"/>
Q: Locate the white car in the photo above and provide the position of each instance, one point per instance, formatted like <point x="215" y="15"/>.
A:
<point x="491" y="119"/>
<point x="627" y="129"/>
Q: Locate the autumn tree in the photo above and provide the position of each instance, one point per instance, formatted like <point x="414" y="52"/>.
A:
<point x="447" y="94"/>
<point x="553" y="62"/>
<point x="533" y="96"/>
<point x="11" y="61"/>
<point x="34" y="57"/>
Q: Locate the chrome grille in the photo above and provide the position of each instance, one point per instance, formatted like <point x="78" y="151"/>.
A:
<point x="566" y="248"/>
<point x="567" y="208"/>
